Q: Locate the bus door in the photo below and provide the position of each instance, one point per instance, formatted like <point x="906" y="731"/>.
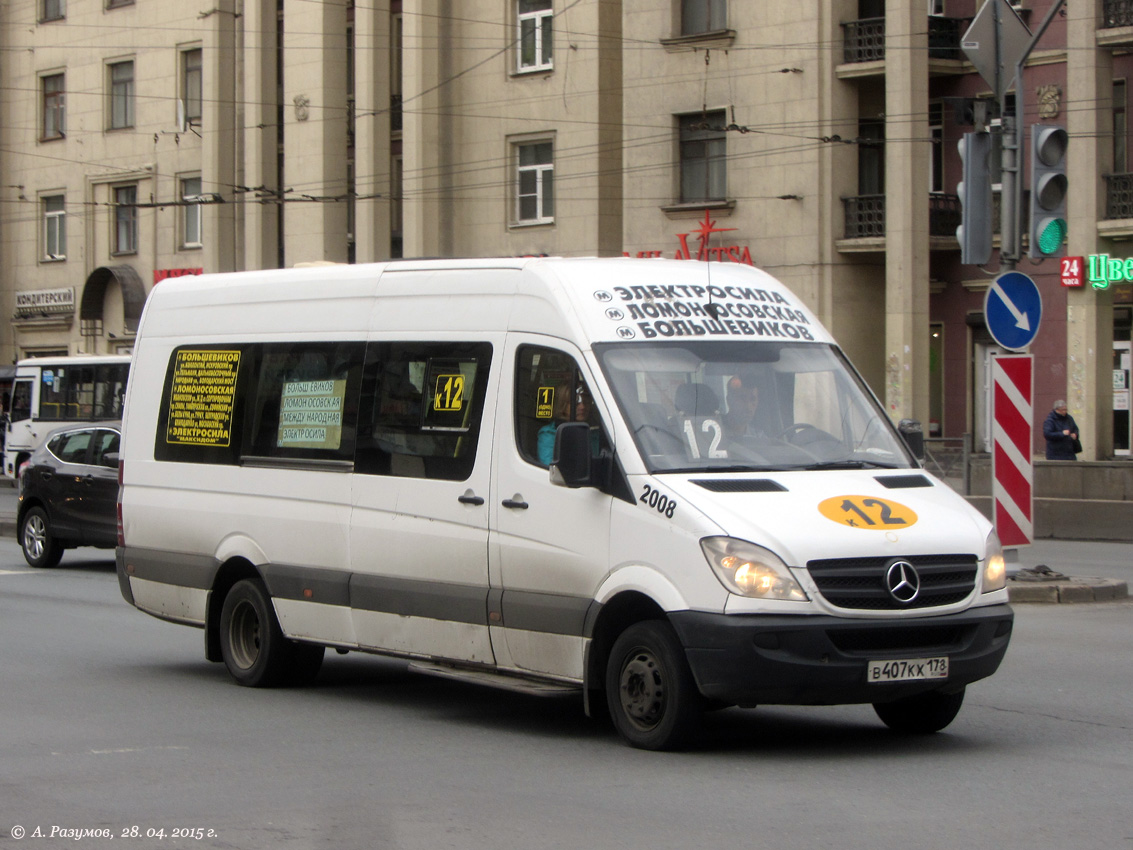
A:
<point x="18" y="436"/>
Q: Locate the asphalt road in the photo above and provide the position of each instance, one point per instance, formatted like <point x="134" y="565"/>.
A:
<point x="111" y="720"/>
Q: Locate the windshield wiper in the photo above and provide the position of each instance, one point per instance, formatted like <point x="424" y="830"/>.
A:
<point x="850" y="464"/>
<point x="689" y="470"/>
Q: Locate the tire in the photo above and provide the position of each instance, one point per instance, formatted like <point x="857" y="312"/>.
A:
<point x="922" y="714"/>
<point x="41" y="549"/>
<point x="650" y="691"/>
<point x="308" y="662"/>
<point x="255" y="650"/>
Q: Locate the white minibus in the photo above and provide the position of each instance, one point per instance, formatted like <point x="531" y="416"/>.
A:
<point x="659" y="484"/>
<point x="50" y="392"/>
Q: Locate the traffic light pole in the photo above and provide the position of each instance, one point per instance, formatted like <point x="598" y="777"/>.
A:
<point x="1011" y="161"/>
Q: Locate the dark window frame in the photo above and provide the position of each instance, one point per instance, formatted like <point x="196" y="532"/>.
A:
<point x="703" y="157"/>
<point x="54" y="106"/>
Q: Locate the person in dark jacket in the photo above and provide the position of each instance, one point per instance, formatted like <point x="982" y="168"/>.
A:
<point x="1060" y="431"/>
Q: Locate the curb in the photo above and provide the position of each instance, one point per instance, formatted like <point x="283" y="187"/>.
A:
<point x="1069" y="590"/>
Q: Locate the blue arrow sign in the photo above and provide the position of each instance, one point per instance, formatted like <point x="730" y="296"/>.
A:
<point x="1012" y="310"/>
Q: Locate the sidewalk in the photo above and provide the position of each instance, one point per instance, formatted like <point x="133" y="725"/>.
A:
<point x="1095" y="571"/>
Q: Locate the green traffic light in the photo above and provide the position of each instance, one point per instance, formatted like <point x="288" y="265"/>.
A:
<point x="1052" y="233"/>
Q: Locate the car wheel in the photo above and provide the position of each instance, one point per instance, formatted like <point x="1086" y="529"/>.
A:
<point x="922" y="714"/>
<point x="650" y="691"/>
<point x="41" y="549"/>
<point x="254" y="648"/>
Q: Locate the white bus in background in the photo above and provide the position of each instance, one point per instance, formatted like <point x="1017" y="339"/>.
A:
<point x="49" y="392"/>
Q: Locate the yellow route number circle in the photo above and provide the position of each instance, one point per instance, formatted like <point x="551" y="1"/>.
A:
<point x="867" y="512"/>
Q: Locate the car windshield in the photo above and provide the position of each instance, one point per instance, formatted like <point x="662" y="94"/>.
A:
<point x="699" y="406"/>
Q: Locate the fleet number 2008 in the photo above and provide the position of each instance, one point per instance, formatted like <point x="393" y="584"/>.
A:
<point x="658" y="501"/>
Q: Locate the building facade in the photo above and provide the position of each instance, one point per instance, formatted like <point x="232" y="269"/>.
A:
<point x="140" y="139"/>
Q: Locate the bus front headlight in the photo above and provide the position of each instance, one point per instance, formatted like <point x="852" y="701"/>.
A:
<point x="749" y="570"/>
<point x="995" y="567"/>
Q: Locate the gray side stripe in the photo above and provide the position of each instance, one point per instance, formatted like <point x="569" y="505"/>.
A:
<point x="308" y="584"/>
<point x="175" y="568"/>
<point x="545" y="612"/>
<point x="412" y="598"/>
<point x="526" y="610"/>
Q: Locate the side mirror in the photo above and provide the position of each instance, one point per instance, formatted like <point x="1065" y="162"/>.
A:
<point x="111" y="459"/>
<point x="913" y="434"/>
<point x="570" y="466"/>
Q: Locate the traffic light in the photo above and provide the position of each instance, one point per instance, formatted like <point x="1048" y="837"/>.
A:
<point x="1048" y="191"/>
<point x="975" y="231"/>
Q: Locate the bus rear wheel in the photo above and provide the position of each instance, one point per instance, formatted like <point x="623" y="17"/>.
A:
<point x="255" y="650"/>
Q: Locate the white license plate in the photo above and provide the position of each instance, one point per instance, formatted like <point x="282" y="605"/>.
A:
<point x="907" y="669"/>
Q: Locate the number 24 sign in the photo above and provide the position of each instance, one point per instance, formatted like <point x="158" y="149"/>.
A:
<point x="1071" y="271"/>
<point x="867" y="512"/>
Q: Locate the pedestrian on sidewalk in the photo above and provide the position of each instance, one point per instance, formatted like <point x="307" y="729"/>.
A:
<point x="1061" y="433"/>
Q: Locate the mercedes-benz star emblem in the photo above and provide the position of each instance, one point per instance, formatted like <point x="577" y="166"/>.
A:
<point x="902" y="582"/>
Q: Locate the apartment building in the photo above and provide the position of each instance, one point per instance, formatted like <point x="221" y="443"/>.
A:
<point x="141" y="139"/>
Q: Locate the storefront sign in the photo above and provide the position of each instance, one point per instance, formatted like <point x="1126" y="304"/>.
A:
<point x="40" y="301"/>
<point x="705" y="252"/>
<point x="161" y="274"/>
<point x="1104" y="270"/>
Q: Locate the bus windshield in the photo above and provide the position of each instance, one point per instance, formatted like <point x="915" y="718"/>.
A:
<point x="701" y="406"/>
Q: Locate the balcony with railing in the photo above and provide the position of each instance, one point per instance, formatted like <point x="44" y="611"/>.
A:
<point x="865" y="222"/>
<point x="863" y="43"/>
<point x="1117" y="23"/>
<point x="1118" y="221"/>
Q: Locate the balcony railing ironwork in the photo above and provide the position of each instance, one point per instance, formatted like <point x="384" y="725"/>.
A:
<point x="1118" y="196"/>
<point x="864" y="40"/>
<point x="865" y="215"/>
<point x="944" y="36"/>
<point x="1118" y="13"/>
<point x="943" y="214"/>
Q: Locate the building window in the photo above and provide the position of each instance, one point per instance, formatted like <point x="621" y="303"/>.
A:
<point x="535" y="19"/>
<point x="535" y="184"/>
<point x="114" y="4"/>
<point x="704" y="149"/>
<point x="121" y="95"/>
<point x="1120" y="130"/>
<point x="936" y="131"/>
<point x="191" y="86"/>
<point x="125" y="220"/>
<point x="703" y="16"/>
<point x="871" y="157"/>
<point x="54" y="112"/>
<point x="54" y="228"/>
<point x="52" y="10"/>
<point x="191" y="212"/>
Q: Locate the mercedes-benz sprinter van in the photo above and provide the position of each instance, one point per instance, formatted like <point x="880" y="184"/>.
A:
<point x="658" y="483"/>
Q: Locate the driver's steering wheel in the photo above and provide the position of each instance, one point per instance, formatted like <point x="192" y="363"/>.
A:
<point x="793" y="432"/>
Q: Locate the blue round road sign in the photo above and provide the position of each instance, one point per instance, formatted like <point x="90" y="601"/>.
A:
<point x="1012" y="310"/>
